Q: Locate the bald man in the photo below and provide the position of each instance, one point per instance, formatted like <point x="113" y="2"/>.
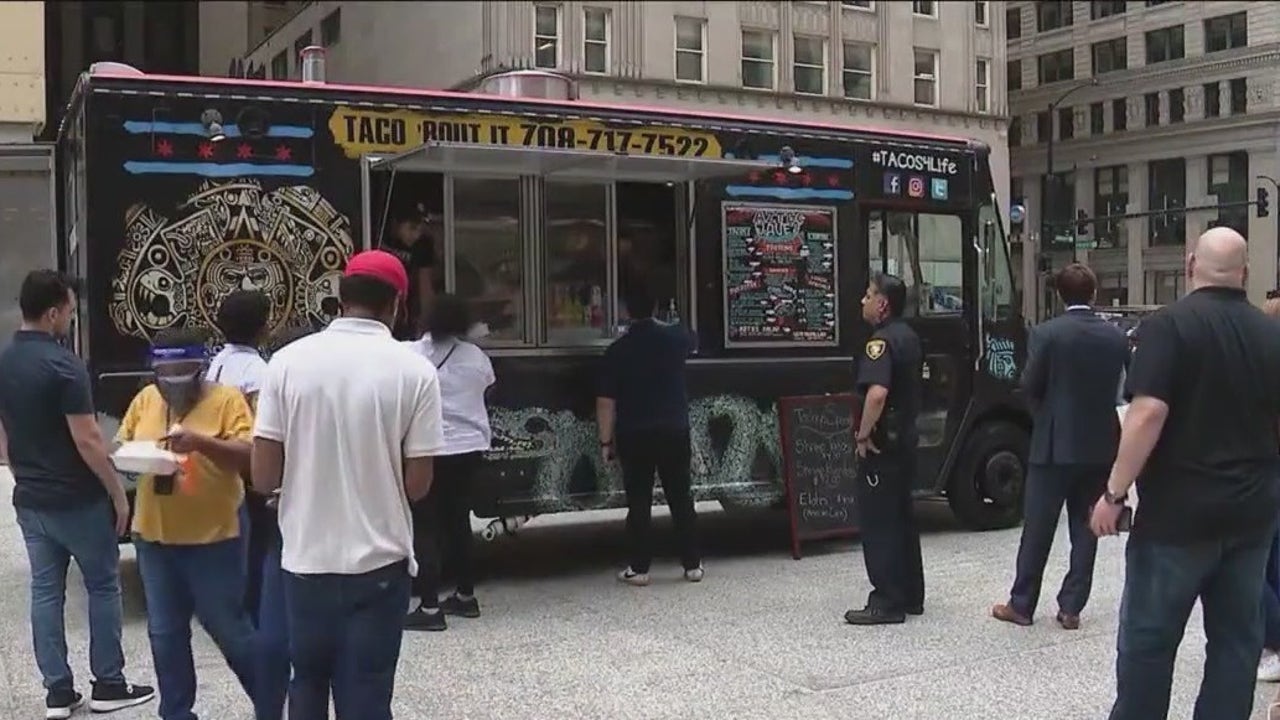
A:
<point x="1201" y="440"/>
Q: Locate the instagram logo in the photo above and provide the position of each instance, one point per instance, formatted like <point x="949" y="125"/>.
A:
<point x="915" y="186"/>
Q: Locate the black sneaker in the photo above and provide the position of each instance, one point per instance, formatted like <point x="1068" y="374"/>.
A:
<point x="110" y="697"/>
<point x="874" y="616"/>
<point x="454" y="605"/>
<point x="59" y="704"/>
<point x="423" y="619"/>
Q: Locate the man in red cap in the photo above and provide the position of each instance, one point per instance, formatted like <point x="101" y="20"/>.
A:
<point x="349" y="452"/>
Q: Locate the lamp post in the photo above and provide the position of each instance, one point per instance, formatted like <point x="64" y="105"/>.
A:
<point x="1050" y="193"/>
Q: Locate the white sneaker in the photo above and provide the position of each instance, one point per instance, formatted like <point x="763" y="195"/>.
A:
<point x="631" y="577"/>
<point x="694" y="575"/>
<point x="1269" y="667"/>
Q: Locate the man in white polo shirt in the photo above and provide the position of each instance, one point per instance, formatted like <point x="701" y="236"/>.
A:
<point x="348" y="419"/>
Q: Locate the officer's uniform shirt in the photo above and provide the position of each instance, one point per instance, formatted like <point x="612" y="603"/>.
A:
<point x="892" y="359"/>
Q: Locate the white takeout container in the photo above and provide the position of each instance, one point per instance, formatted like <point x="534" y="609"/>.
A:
<point x="144" y="457"/>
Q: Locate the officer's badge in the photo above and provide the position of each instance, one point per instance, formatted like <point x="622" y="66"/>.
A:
<point x="875" y="348"/>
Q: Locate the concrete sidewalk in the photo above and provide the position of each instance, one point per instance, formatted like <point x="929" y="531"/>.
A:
<point x="761" y="638"/>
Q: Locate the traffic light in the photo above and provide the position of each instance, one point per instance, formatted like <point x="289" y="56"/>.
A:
<point x="1262" y="203"/>
<point x="1082" y="222"/>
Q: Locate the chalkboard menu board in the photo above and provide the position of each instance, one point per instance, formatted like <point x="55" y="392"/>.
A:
<point x="820" y="466"/>
<point x="779" y="275"/>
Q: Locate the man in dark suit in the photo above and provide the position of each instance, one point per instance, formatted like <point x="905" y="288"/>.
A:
<point x="1074" y="367"/>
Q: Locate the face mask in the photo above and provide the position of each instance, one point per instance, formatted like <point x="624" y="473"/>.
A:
<point x="180" y="392"/>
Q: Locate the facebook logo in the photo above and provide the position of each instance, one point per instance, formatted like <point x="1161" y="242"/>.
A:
<point x="892" y="184"/>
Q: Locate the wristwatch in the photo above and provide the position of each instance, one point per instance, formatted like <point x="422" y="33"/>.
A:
<point x="1114" y="499"/>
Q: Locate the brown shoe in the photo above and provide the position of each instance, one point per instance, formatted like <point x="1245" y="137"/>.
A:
<point x="1005" y="613"/>
<point x="1068" y="622"/>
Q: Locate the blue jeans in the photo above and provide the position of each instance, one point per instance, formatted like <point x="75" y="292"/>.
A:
<point x="53" y="538"/>
<point x="1161" y="585"/>
<point x="204" y="581"/>
<point x="344" y="636"/>
<point x="272" y="680"/>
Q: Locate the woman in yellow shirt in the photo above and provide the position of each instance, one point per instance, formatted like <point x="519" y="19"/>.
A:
<point x="186" y="526"/>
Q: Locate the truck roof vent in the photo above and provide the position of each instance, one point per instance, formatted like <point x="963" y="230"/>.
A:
<point x="312" y="61"/>
<point x="537" y="84"/>
<point x="107" y="67"/>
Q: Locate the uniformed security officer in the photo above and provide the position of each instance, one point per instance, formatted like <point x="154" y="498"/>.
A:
<point x="889" y="378"/>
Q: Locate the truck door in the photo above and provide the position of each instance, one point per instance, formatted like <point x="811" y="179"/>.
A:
<point x="27" y="219"/>
<point x="927" y="250"/>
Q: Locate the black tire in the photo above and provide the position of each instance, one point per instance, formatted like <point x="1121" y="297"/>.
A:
<point x="987" y="484"/>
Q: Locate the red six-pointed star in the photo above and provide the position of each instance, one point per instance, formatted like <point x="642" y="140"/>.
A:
<point x="244" y="152"/>
<point x="164" y="148"/>
<point x="205" y="151"/>
<point x="283" y="153"/>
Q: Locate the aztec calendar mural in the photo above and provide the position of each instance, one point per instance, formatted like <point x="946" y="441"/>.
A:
<point x="290" y="243"/>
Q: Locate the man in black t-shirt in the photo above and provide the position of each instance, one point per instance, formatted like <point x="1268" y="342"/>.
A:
<point x="1200" y="439"/>
<point x="408" y="240"/>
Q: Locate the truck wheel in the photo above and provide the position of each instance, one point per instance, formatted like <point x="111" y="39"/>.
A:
<point x="987" y="484"/>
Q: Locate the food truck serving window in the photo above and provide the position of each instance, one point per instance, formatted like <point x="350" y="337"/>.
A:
<point x="544" y="243"/>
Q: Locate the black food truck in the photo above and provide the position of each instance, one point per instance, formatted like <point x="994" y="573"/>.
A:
<point x="761" y="234"/>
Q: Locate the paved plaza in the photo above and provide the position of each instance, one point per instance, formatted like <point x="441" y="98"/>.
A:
<point x="762" y="637"/>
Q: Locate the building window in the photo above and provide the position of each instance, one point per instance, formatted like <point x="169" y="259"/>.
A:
<point x="926" y="77"/>
<point x="1013" y="75"/>
<point x="1239" y="96"/>
<point x="546" y="36"/>
<point x="924" y="7"/>
<point x="758" y="70"/>
<point x="1097" y="119"/>
<point x="1113" y="289"/>
<point x="1057" y="66"/>
<point x="1102" y="9"/>
<point x="596" y="31"/>
<point x="1177" y="106"/>
<point x="1110" y="55"/>
<point x="1164" y="287"/>
<point x="1212" y="100"/>
<point x="980" y="13"/>
<point x="1165" y="44"/>
<point x="860" y="4"/>
<point x="280" y="66"/>
<point x="1013" y="23"/>
<point x="1044" y="126"/>
<point x="1053" y="14"/>
<point x="1153" y="3"/>
<point x="858" y="71"/>
<point x="1058" y="201"/>
<point x="1229" y="180"/>
<point x="1066" y="123"/>
<point x="809" y="69"/>
<point x="1110" y="197"/>
<point x="1015" y="131"/>
<point x="982" y="87"/>
<point x="1151" y="109"/>
<point x="691" y="43"/>
<point x="331" y="28"/>
<point x="303" y="42"/>
<point x="1226" y="32"/>
<point x="1119" y="115"/>
<point x="104" y="28"/>
<point x="1167" y="189"/>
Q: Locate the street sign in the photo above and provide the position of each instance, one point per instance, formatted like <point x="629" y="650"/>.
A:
<point x="1017" y="214"/>
<point x="1086" y="242"/>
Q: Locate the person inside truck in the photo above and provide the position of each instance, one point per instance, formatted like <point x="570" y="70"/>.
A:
<point x="409" y="241"/>
<point x="186" y="525"/>
<point x="242" y="319"/>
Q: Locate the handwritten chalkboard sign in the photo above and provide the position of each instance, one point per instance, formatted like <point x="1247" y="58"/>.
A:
<point x="779" y="275"/>
<point x="819" y="466"/>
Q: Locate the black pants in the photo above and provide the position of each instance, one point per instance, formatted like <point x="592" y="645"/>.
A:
<point x="1049" y="487"/>
<point x="890" y="538"/>
<point x="669" y="454"/>
<point x="263" y="526"/>
<point x="442" y="528"/>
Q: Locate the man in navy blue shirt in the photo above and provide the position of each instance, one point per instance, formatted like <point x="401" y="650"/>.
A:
<point x="642" y="412"/>
<point x="70" y="502"/>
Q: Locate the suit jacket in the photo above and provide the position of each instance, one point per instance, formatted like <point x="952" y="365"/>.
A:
<point x="1073" y="369"/>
